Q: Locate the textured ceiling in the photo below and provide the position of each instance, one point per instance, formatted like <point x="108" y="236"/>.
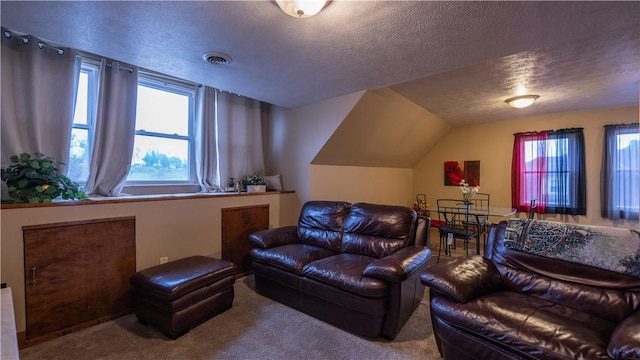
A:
<point x="459" y="60"/>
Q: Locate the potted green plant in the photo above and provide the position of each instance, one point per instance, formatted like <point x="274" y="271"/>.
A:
<point x="36" y="179"/>
<point x="254" y="183"/>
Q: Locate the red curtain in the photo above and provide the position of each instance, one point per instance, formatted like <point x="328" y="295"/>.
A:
<point x="549" y="167"/>
<point x="528" y="162"/>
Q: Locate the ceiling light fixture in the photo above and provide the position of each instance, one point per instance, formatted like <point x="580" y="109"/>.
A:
<point x="301" y="8"/>
<point x="522" y="101"/>
<point x="217" y="58"/>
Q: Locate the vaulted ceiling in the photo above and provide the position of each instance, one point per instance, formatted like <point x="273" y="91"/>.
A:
<point x="458" y="60"/>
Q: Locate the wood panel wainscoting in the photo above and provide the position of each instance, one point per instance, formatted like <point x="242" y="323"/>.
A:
<point x="76" y="275"/>
<point x="237" y="224"/>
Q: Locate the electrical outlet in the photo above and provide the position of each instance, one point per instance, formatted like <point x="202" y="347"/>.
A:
<point x="164" y="260"/>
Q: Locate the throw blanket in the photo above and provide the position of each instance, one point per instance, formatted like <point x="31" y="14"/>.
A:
<point x="604" y="247"/>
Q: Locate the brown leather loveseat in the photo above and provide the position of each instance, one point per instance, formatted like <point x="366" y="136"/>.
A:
<point x="543" y="290"/>
<point x="353" y="266"/>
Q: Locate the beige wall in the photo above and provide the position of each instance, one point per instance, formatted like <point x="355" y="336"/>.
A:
<point x="376" y="134"/>
<point x="384" y="129"/>
<point x="298" y="134"/>
<point x="361" y="184"/>
<point x="173" y="228"/>
<point x="492" y="144"/>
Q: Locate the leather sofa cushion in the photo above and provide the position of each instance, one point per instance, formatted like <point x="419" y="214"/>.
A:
<point x="292" y="257"/>
<point x="344" y="271"/>
<point x="378" y="230"/>
<point x="600" y="292"/>
<point x="321" y="223"/>
<point x="176" y="278"/>
<point x="604" y="302"/>
<point x="529" y="325"/>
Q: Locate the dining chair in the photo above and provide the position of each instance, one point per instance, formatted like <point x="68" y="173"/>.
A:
<point x="456" y="224"/>
<point x="480" y="206"/>
<point x="532" y="208"/>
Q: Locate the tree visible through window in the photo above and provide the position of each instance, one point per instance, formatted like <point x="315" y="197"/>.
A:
<point x="163" y="142"/>
<point x="549" y="167"/>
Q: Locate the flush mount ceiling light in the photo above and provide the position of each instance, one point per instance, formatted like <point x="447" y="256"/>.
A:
<point x="522" y="101"/>
<point x="217" y="58"/>
<point x="301" y="8"/>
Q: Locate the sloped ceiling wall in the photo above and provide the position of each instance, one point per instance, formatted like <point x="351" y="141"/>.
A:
<point x="384" y="129"/>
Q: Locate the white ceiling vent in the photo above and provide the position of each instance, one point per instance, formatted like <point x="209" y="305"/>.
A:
<point x="217" y="58"/>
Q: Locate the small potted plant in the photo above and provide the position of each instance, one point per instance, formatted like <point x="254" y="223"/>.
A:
<point x="35" y="179"/>
<point x="254" y="183"/>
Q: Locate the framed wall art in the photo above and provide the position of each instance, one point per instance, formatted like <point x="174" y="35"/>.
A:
<point x="456" y="171"/>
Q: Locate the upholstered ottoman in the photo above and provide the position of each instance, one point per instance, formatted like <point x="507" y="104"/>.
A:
<point x="176" y="296"/>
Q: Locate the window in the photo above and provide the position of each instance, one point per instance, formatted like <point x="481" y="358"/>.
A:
<point x="83" y="124"/>
<point x="549" y="167"/>
<point x="136" y="132"/>
<point x="163" y="140"/>
<point x="163" y="146"/>
<point x="620" y="172"/>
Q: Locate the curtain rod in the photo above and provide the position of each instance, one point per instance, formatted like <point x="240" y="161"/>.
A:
<point x="157" y="76"/>
<point x="26" y="39"/>
<point x="109" y="64"/>
<point x="42" y="44"/>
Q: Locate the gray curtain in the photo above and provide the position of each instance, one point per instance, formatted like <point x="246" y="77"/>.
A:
<point x="231" y="138"/>
<point x="206" y="162"/>
<point x="567" y="172"/>
<point x="239" y="140"/>
<point x="114" y="132"/>
<point x="620" y="173"/>
<point x="38" y="99"/>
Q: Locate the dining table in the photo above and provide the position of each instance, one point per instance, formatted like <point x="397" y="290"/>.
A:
<point x="496" y="211"/>
<point x="492" y="211"/>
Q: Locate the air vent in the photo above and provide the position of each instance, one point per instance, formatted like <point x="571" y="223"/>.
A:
<point x="217" y="58"/>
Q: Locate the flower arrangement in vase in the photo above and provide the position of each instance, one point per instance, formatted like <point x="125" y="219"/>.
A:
<point x="468" y="191"/>
<point x="422" y="208"/>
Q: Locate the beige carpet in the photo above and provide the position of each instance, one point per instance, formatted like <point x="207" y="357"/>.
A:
<point x="254" y="328"/>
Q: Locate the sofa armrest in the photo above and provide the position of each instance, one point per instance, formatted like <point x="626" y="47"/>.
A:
<point x="625" y="339"/>
<point x="270" y="238"/>
<point x="398" y="266"/>
<point x="464" y="278"/>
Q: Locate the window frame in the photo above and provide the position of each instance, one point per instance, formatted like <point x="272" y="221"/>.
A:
<point x="555" y="157"/>
<point x="616" y="203"/>
<point x="175" y="86"/>
<point x="92" y="69"/>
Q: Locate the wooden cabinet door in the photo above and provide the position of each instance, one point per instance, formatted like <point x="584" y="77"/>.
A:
<point x="77" y="273"/>
<point x="237" y="224"/>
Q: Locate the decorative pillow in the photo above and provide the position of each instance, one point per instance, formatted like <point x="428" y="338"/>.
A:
<point x="274" y="182"/>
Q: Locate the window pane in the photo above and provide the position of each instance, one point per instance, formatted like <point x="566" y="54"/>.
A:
<point x="162" y="112"/>
<point x="80" y="144"/>
<point x="547" y="167"/>
<point x="627" y="172"/>
<point x="159" y="159"/>
<point x="78" y="167"/>
<point x="80" y="115"/>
